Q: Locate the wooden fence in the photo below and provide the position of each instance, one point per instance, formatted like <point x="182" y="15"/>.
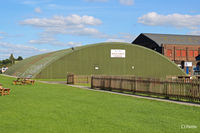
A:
<point x="179" y="89"/>
<point x="78" y="79"/>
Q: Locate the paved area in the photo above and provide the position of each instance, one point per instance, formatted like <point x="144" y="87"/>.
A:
<point x="53" y="82"/>
<point x="137" y="96"/>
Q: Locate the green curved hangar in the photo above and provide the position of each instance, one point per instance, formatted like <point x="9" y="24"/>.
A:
<point x="100" y="59"/>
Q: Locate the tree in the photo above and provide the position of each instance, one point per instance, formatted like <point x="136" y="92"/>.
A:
<point x="6" y="61"/>
<point x="19" y="58"/>
<point x="12" y="59"/>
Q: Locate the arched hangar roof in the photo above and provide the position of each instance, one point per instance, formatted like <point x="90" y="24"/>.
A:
<point x="96" y="59"/>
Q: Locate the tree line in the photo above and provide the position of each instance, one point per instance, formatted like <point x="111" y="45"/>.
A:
<point x="10" y="61"/>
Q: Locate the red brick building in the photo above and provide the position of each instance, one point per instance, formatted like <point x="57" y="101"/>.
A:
<point x="182" y="49"/>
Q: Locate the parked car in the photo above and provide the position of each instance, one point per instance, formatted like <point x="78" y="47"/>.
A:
<point x="3" y="69"/>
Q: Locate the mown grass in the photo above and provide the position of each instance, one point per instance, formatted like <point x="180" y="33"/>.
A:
<point x="52" y="108"/>
<point x="84" y="84"/>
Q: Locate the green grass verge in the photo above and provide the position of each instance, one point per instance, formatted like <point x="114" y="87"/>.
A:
<point x="84" y="84"/>
<point x="54" y="108"/>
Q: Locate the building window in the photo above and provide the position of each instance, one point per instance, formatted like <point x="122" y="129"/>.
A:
<point x="183" y="53"/>
<point x="196" y="53"/>
<point x="169" y="52"/>
<point x="178" y="52"/>
<point x="191" y="53"/>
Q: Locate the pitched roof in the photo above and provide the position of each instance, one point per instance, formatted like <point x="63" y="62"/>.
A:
<point x="173" y="39"/>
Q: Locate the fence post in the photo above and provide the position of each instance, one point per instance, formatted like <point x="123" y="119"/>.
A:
<point x="67" y="78"/>
<point x="102" y="79"/>
<point x="121" y="90"/>
<point x="133" y="86"/>
<point x="70" y="79"/>
<point x="87" y="80"/>
<point x="135" y="89"/>
<point x="74" y="79"/>
<point x="92" y="87"/>
<point x="149" y="86"/>
<point x="166" y="85"/>
<point x="131" y="81"/>
<point x="110" y="88"/>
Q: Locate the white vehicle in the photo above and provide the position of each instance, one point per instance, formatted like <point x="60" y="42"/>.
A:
<point x="3" y="69"/>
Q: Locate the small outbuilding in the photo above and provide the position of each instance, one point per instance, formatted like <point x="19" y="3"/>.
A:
<point x="97" y="59"/>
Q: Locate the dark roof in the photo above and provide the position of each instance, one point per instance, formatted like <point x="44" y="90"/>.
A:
<point x="173" y="39"/>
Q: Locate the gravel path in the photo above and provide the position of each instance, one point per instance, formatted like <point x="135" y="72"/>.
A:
<point x="137" y="96"/>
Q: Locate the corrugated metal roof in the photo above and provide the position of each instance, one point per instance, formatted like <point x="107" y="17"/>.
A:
<point x="33" y="65"/>
<point x="83" y="59"/>
<point x="173" y="39"/>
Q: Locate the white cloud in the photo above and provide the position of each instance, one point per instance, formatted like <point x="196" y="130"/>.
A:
<point x="62" y="21"/>
<point x="195" y="32"/>
<point x="38" y="10"/>
<point x="74" y="44"/>
<point x="85" y="32"/>
<point x="46" y="38"/>
<point x="174" y="20"/>
<point x="122" y="2"/>
<point x="114" y="40"/>
<point x="71" y="25"/>
<point x="52" y="5"/>
<point x="4" y="35"/>
<point x="55" y="42"/>
<point x="34" y="2"/>
<point x="122" y="37"/>
<point x="96" y="0"/>
<point x="29" y="2"/>
<point x="19" y="50"/>
<point x="126" y="2"/>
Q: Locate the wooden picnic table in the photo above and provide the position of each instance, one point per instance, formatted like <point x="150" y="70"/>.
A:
<point x="4" y="91"/>
<point x="29" y="81"/>
<point x="18" y="82"/>
<point x="22" y="81"/>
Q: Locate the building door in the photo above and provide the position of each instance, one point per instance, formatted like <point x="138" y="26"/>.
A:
<point x="187" y="70"/>
<point x="182" y="64"/>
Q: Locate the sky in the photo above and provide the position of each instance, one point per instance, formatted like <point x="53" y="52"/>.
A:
<point x="31" y="27"/>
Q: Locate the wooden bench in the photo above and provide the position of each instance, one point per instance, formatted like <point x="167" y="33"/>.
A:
<point x="28" y="81"/>
<point x="4" y="91"/>
<point x="23" y="81"/>
<point x="15" y="82"/>
<point x="18" y="81"/>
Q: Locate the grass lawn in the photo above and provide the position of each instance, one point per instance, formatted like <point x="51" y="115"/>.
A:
<point x="84" y="84"/>
<point x="52" y="108"/>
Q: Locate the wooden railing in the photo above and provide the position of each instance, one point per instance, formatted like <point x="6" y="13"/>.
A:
<point x="168" y="88"/>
